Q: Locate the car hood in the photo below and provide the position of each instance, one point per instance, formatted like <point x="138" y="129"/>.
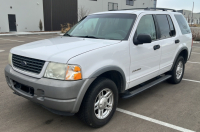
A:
<point x="60" y="49"/>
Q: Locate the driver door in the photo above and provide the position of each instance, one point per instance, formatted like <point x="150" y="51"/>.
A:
<point x="145" y="58"/>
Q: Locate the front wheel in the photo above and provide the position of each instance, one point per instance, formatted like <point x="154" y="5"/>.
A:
<point x="178" y="71"/>
<point x="100" y="103"/>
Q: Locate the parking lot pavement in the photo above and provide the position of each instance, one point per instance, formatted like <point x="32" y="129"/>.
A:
<point x="163" y="108"/>
<point x="196" y="49"/>
<point x="195" y="58"/>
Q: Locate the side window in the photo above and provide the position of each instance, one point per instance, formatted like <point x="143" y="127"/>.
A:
<point x="146" y="26"/>
<point x="163" y="25"/>
<point x="171" y="26"/>
<point x="185" y="29"/>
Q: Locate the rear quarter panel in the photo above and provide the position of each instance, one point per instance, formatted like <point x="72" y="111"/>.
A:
<point x="185" y="39"/>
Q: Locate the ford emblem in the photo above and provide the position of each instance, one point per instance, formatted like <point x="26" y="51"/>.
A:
<point x="23" y="63"/>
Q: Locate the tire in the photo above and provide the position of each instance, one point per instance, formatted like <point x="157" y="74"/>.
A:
<point x="177" y="72"/>
<point x="87" y="112"/>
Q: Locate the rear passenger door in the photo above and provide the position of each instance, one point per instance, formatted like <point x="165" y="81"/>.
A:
<point x="168" y="41"/>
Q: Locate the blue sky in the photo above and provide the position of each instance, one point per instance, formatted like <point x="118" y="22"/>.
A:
<point x="179" y="4"/>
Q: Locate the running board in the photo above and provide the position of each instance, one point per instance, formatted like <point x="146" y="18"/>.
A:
<point x="129" y="94"/>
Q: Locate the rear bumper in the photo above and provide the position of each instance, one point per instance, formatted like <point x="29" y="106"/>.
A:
<point x="52" y="94"/>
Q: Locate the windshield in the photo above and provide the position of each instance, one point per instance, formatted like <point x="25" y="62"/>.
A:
<point x="104" y="26"/>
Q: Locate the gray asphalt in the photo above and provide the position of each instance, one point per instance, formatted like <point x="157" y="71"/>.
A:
<point x="175" y="104"/>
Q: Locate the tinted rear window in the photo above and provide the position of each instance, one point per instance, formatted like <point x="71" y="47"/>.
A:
<point x="185" y="29"/>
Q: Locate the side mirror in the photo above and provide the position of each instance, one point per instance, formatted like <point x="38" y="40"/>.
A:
<point x="142" y="38"/>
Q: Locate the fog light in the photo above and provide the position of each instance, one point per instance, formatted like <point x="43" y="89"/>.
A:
<point x="8" y="82"/>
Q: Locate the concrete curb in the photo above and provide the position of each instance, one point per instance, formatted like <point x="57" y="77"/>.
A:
<point x="42" y="33"/>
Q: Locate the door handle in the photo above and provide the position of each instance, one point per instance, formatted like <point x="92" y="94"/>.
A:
<point x="177" y="41"/>
<point x="155" y="47"/>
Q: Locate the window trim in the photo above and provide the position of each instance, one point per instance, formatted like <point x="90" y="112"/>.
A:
<point x="157" y="28"/>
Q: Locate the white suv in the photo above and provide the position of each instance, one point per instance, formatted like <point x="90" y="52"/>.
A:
<point x="103" y="57"/>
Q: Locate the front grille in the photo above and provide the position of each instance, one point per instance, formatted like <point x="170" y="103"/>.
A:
<point x="27" y="64"/>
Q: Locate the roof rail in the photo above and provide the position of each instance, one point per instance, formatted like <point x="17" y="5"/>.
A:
<point x="148" y="8"/>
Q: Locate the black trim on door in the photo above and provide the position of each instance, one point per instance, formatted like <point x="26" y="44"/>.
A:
<point x="157" y="27"/>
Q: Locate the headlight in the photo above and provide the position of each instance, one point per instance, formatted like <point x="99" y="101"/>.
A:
<point x="10" y="59"/>
<point x="63" y="71"/>
<point x="56" y="71"/>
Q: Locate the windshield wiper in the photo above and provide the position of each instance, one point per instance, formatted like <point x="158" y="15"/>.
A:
<point x="68" y="35"/>
<point x="88" y="37"/>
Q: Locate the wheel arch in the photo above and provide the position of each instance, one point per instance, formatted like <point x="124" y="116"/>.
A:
<point x="183" y="52"/>
<point x="117" y="75"/>
<point x="112" y="71"/>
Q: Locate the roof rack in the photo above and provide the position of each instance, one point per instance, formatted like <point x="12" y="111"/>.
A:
<point x="148" y="8"/>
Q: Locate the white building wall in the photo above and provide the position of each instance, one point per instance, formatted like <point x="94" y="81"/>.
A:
<point x="102" y="5"/>
<point x="28" y="14"/>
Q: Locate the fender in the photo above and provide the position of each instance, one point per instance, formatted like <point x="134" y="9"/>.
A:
<point x="111" y="68"/>
<point x="177" y="55"/>
<point x="91" y="79"/>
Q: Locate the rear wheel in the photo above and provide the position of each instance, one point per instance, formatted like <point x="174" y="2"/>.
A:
<point x="99" y="103"/>
<point x="178" y="71"/>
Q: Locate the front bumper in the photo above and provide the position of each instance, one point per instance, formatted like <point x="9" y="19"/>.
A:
<point x="53" y="94"/>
